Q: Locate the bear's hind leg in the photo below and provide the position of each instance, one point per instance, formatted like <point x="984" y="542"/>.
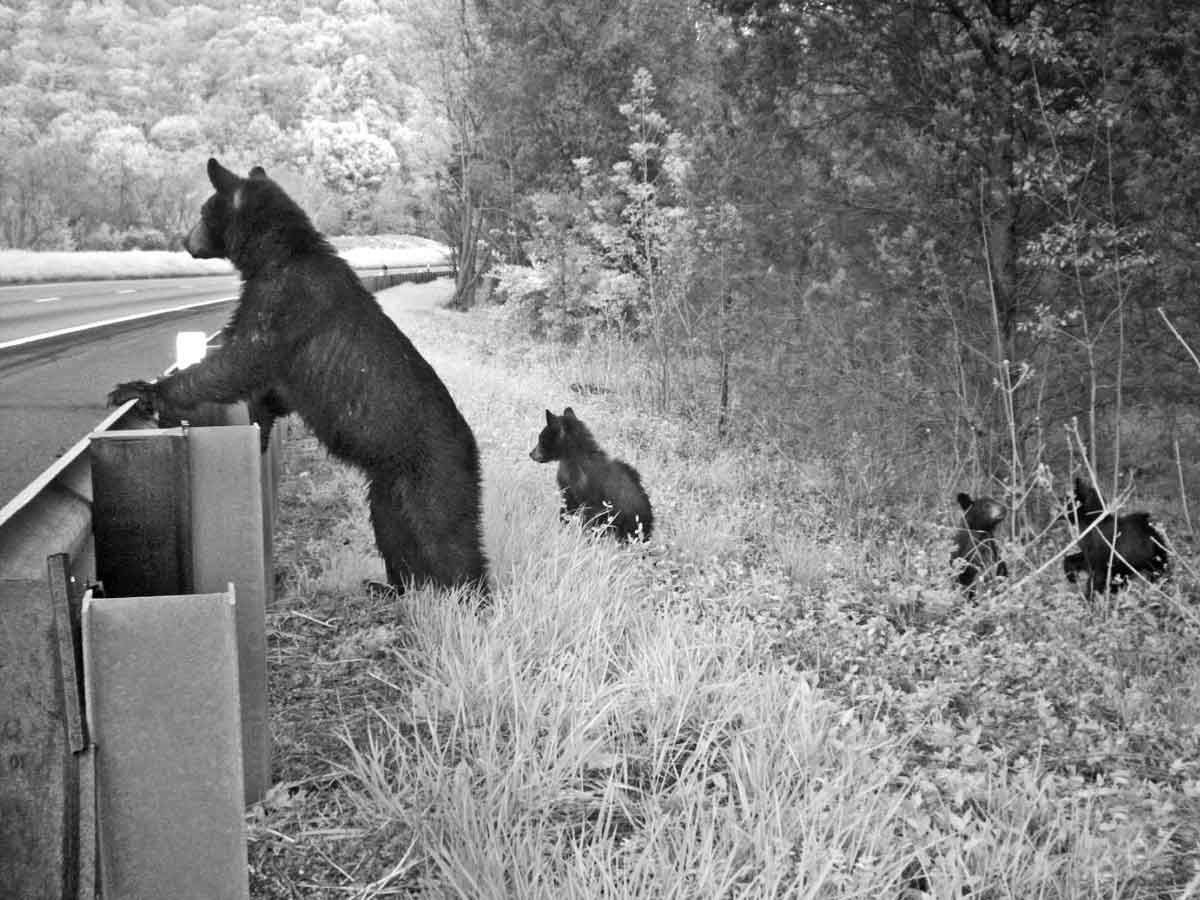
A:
<point x="396" y="537"/>
<point x="445" y="518"/>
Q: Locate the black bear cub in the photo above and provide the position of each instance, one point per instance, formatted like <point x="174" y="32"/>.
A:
<point x="975" y="542"/>
<point x="306" y="336"/>
<point x="1117" y="549"/>
<point x="606" y="492"/>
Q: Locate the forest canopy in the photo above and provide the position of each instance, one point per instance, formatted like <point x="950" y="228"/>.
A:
<point x="109" y="110"/>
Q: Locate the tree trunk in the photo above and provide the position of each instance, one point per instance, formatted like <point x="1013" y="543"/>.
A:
<point x="471" y="263"/>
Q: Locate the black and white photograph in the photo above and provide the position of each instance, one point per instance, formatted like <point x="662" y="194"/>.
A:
<point x="600" y="450"/>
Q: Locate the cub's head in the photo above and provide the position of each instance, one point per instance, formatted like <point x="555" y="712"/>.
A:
<point x="983" y="514"/>
<point x="557" y="436"/>
<point x="976" y="552"/>
<point x="1085" y="504"/>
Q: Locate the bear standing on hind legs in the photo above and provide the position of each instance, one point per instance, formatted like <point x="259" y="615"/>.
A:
<point x="308" y="335"/>
<point x="604" y="490"/>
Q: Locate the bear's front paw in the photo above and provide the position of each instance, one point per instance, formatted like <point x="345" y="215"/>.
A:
<point x="143" y="392"/>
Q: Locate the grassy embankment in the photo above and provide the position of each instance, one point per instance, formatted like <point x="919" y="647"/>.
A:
<point x="30" y="266"/>
<point x="756" y="705"/>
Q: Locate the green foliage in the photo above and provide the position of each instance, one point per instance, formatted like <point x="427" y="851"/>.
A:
<point x="618" y="253"/>
<point x="950" y="226"/>
<point x="110" y="110"/>
<point x="935" y="219"/>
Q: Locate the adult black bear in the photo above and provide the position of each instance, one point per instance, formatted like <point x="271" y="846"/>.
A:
<point x="605" y="491"/>
<point x="1118" y="548"/>
<point x="975" y="542"/>
<point x="306" y="336"/>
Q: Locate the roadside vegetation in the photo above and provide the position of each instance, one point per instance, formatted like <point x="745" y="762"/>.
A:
<point x="814" y="268"/>
<point x="780" y="696"/>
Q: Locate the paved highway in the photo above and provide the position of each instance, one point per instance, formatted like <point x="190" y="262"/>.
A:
<point x="52" y="392"/>
<point x="29" y="310"/>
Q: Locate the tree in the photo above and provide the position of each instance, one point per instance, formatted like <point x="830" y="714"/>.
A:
<point x="971" y="160"/>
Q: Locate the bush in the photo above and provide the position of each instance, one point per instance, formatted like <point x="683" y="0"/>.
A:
<point x="142" y="238"/>
<point x="139" y="237"/>
<point x="102" y="237"/>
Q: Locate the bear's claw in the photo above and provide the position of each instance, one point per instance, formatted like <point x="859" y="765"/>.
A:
<point x="141" y="391"/>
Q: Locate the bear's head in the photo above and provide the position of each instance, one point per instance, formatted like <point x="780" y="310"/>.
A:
<point x="1085" y="505"/>
<point x="549" y="446"/>
<point x="983" y="514"/>
<point x="561" y="435"/>
<point x="247" y="212"/>
<point x="207" y="239"/>
<point x="976" y="550"/>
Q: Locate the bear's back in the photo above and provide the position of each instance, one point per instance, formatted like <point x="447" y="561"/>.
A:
<point x="600" y="487"/>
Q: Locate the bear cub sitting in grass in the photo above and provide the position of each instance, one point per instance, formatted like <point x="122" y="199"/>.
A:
<point x="606" y="492"/>
<point x="307" y="336"/>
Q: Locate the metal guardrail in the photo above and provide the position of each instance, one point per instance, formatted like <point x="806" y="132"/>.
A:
<point x="375" y="279"/>
<point x="53" y="513"/>
<point x="67" y="480"/>
<point x="48" y="555"/>
<point x="390" y="276"/>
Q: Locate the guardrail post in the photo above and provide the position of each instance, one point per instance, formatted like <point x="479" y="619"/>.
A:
<point x="187" y="506"/>
<point x="39" y="779"/>
<point x="46" y="789"/>
<point x="162" y="700"/>
<point x="141" y="513"/>
<point x="231" y="534"/>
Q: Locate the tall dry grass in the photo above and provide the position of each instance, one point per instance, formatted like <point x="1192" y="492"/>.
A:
<point x="757" y="704"/>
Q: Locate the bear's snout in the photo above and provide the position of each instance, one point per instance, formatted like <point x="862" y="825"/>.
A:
<point x="199" y="243"/>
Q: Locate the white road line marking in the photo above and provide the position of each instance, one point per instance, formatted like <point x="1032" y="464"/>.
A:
<point x="20" y="342"/>
<point x="128" y="291"/>
<point x="47" y="299"/>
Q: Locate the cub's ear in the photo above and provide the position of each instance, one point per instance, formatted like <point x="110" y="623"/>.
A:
<point x="965" y="501"/>
<point x="550" y="417"/>
<point x="258" y="172"/>
<point x="569" y="414"/>
<point x="222" y="179"/>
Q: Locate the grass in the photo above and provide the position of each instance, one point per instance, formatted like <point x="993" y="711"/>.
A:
<point x="762" y="703"/>
<point x="30" y="266"/>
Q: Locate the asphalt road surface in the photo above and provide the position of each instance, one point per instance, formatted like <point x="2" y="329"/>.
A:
<point x="32" y="309"/>
<point x="52" y="393"/>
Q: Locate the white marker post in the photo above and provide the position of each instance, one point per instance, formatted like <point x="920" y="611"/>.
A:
<point x="190" y="348"/>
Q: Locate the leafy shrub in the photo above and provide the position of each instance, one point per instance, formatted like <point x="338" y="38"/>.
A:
<point x="143" y="238"/>
<point x="570" y="298"/>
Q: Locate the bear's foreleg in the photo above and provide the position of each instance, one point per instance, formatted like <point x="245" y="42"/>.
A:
<point x="227" y="375"/>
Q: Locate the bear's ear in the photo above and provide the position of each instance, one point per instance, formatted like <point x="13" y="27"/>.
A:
<point x="222" y="179"/>
<point x="569" y="414"/>
<point x="258" y="172"/>
<point x="550" y="418"/>
<point x="964" y="500"/>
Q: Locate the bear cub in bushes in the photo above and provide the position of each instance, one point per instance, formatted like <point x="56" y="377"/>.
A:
<point x="1118" y="550"/>
<point x="604" y="491"/>
<point x="306" y="336"/>
<point x="975" y="542"/>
